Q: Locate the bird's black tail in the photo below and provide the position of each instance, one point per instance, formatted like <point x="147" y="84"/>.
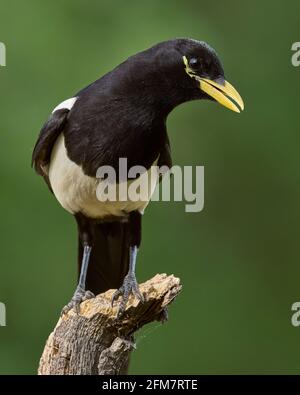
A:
<point x="109" y="259"/>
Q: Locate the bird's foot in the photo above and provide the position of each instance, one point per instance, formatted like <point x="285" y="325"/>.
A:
<point x="129" y="286"/>
<point x="79" y="296"/>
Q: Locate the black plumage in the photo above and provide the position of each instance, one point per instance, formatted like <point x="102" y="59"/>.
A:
<point x="123" y="115"/>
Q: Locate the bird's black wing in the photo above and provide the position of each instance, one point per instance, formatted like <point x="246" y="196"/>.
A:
<point x="50" y="131"/>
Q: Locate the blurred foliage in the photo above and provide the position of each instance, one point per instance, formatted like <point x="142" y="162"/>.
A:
<point x="239" y="258"/>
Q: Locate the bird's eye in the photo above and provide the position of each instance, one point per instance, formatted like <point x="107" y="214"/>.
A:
<point x="194" y="62"/>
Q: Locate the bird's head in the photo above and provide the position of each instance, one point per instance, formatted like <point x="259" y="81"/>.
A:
<point x="183" y="69"/>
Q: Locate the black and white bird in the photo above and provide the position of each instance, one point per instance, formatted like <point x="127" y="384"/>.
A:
<point x="121" y="115"/>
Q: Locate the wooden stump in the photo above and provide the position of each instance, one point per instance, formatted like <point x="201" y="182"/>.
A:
<point x="95" y="341"/>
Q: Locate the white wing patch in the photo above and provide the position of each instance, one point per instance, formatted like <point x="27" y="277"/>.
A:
<point x="69" y="103"/>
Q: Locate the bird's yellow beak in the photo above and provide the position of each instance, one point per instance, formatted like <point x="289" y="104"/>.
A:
<point x="225" y="94"/>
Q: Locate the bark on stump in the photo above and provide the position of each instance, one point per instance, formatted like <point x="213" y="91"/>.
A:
<point x="95" y="341"/>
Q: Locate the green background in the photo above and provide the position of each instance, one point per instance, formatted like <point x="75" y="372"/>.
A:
<point x="239" y="258"/>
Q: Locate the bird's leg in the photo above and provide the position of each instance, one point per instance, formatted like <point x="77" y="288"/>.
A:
<point x="81" y="293"/>
<point x="130" y="285"/>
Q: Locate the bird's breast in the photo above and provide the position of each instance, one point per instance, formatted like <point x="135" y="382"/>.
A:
<point x="78" y="192"/>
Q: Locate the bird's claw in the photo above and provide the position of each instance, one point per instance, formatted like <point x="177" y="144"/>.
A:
<point x="79" y="296"/>
<point x="129" y="286"/>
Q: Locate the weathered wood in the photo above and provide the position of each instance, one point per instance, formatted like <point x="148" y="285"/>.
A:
<point x="95" y="341"/>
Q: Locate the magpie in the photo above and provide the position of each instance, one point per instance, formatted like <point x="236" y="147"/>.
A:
<point x="121" y="115"/>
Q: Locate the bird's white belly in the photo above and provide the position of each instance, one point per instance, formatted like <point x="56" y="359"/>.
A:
<point x="77" y="192"/>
